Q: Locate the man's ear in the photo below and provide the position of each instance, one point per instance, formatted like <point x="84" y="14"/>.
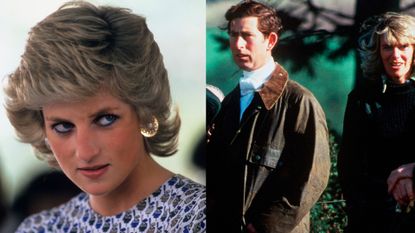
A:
<point x="272" y="40"/>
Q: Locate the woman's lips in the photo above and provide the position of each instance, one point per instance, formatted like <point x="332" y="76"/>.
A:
<point x="396" y="65"/>
<point x="94" y="172"/>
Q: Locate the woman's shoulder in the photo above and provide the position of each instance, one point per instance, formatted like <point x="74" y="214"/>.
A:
<point x="184" y="190"/>
<point x="186" y="200"/>
<point x="52" y="219"/>
<point x="366" y="89"/>
<point x="183" y="183"/>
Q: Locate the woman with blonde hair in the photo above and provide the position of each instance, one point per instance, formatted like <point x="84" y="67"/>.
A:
<point x="376" y="162"/>
<point x="91" y="95"/>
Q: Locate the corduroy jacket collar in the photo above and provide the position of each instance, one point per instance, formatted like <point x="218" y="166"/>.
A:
<point x="273" y="88"/>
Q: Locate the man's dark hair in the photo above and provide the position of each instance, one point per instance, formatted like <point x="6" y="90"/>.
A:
<point x="268" y="20"/>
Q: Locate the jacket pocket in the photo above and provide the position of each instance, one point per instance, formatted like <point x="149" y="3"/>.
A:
<point x="264" y="156"/>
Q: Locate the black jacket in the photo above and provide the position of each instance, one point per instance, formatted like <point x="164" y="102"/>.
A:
<point x="378" y="132"/>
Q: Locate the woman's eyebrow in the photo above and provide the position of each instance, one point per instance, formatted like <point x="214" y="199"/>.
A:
<point x="93" y="115"/>
<point x="102" y="111"/>
<point x="55" y="119"/>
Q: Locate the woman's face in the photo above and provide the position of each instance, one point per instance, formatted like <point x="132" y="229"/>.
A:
<point x="397" y="60"/>
<point x="97" y="142"/>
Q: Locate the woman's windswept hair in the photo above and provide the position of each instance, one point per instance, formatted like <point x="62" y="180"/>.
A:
<point x="81" y="49"/>
<point x="396" y="28"/>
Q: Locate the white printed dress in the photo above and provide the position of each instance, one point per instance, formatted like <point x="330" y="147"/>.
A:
<point x="178" y="206"/>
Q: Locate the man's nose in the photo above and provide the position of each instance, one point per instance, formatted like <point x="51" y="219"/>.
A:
<point x="240" y="42"/>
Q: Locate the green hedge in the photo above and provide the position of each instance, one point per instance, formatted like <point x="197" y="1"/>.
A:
<point x="328" y="215"/>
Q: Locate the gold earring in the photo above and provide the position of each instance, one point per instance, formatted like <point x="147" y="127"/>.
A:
<point x="151" y="129"/>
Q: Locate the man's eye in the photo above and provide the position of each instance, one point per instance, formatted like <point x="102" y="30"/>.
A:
<point x="62" y="127"/>
<point x="245" y="35"/>
<point x="106" y="120"/>
<point x="233" y="34"/>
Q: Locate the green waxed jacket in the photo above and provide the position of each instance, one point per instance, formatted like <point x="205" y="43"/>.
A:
<point x="271" y="167"/>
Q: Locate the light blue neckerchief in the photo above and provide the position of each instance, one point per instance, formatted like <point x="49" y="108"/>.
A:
<point x="252" y="81"/>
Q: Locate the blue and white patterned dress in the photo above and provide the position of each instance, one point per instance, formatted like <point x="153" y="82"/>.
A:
<point x="178" y="206"/>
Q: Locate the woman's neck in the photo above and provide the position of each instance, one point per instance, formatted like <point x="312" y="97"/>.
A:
<point x="145" y="179"/>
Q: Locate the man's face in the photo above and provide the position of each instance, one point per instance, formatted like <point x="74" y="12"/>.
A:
<point x="250" y="49"/>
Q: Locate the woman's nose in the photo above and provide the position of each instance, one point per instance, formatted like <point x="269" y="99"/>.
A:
<point x="86" y="145"/>
<point x="396" y="52"/>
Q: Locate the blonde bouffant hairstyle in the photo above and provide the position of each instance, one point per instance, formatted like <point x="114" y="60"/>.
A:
<point x="397" y="28"/>
<point x="79" y="50"/>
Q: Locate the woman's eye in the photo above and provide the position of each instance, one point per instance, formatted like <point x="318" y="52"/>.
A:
<point x="405" y="46"/>
<point x="387" y="47"/>
<point x="63" y="127"/>
<point x="106" y="120"/>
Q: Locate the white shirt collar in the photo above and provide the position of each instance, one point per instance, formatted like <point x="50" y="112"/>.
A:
<point x="253" y="80"/>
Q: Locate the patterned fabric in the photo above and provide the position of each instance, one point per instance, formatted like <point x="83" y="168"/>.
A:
<point x="179" y="205"/>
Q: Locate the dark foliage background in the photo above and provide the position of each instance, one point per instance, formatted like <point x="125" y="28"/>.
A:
<point x="328" y="214"/>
